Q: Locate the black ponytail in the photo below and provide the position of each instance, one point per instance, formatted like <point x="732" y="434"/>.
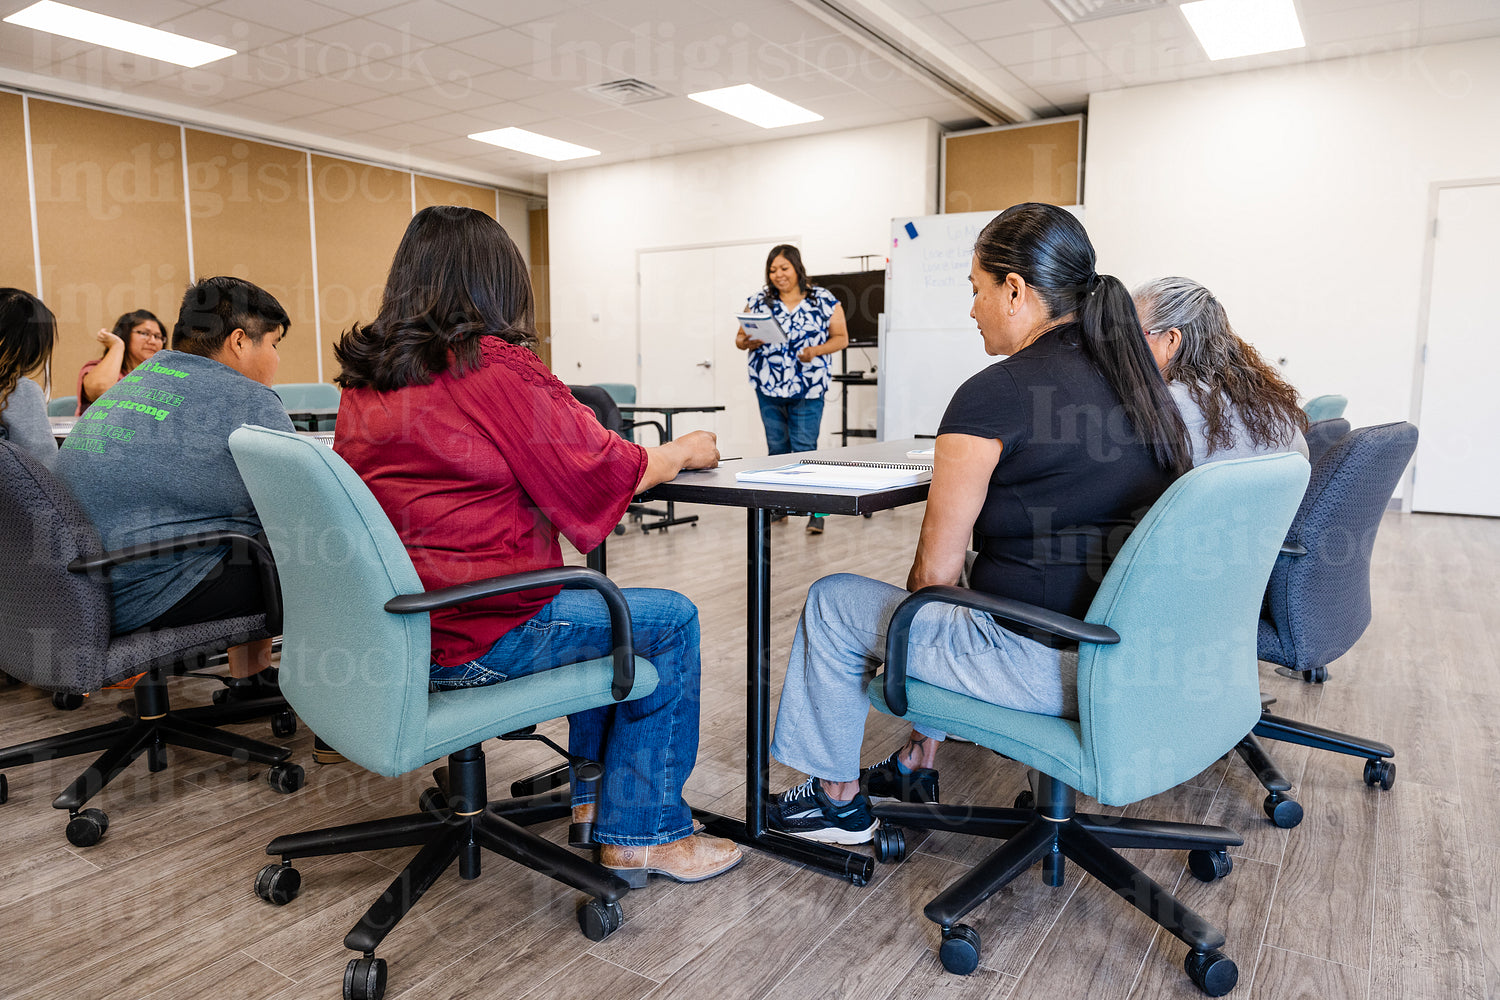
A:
<point x="1048" y="248"/>
<point x="1112" y="338"/>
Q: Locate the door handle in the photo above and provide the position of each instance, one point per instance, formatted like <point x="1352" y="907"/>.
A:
<point x="705" y="364"/>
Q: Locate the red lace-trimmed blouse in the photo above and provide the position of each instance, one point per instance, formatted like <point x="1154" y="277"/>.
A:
<point x="478" y="475"/>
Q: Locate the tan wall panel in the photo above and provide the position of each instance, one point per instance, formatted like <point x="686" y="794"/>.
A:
<point x="17" y="269"/>
<point x="111" y="223"/>
<point x="437" y="191"/>
<point x="361" y="212"/>
<point x="541" y="282"/>
<point x="991" y="171"/>
<point x="249" y="205"/>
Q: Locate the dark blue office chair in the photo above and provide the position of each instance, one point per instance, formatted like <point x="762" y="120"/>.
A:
<point x="1324" y="434"/>
<point x="1318" y="601"/>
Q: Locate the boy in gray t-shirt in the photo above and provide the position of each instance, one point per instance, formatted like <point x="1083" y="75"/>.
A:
<point x="149" y="460"/>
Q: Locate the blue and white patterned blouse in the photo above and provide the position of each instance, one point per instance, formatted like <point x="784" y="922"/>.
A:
<point x="774" y="368"/>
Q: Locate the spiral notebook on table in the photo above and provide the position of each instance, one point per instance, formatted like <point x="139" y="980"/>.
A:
<point x="840" y="475"/>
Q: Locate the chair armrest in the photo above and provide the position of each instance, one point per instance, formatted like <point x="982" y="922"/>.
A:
<point x="661" y="432"/>
<point x="898" y="633"/>
<point x="1291" y="548"/>
<point x="572" y="577"/>
<point x="260" y="555"/>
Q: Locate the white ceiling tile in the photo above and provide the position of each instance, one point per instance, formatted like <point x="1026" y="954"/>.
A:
<point x="333" y="91"/>
<point x="222" y="28"/>
<point x="395" y="108"/>
<point x="659" y="19"/>
<point x="504" y="48"/>
<point x="1084" y="69"/>
<point x="24" y="49"/>
<point x="1049" y="43"/>
<point x="1401" y="20"/>
<point x="344" y="120"/>
<point x="151" y="12"/>
<point x="941" y="30"/>
<point x="278" y="103"/>
<point x="974" y="56"/>
<point x="434" y="21"/>
<point x="1459" y="32"/>
<point x="367" y="39"/>
<point x="515" y="13"/>
<point x="1008" y="17"/>
<point x="1437" y="13"/>
<point x="410" y="132"/>
<point x="1143" y="28"/>
<point x="508" y="85"/>
<point x="359" y="8"/>
<point x="296" y="17"/>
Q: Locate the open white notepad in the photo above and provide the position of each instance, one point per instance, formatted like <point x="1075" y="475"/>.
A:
<point x="840" y="475"/>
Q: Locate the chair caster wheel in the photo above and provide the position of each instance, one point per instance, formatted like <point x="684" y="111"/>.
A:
<point x="86" y="828"/>
<point x="890" y="845"/>
<point x="285" y="778"/>
<point x="1282" y="810"/>
<point x="220" y="696"/>
<point x="619" y="529"/>
<point x="1315" y="675"/>
<point x="959" y="952"/>
<point x="432" y="800"/>
<point x="1026" y="800"/>
<point x="1380" y="771"/>
<point x="364" y="979"/>
<point x="284" y="724"/>
<point x="1210" y="866"/>
<point x="598" y="919"/>
<point x="63" y="701"/>
<point x="278" y="884"/>
<point x="1211" y="971"/>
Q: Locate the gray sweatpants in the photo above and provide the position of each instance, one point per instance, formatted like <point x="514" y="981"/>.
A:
<point x="840" y="643"/>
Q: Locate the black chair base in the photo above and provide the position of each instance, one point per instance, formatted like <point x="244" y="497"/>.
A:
<point x="1052" y="832"/>
<point x="455" y="823"/>
<point x="152" y="729"/>
<point x="1280" y="807"/>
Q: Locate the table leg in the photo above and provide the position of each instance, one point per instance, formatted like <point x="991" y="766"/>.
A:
<point x="833" y="860"/>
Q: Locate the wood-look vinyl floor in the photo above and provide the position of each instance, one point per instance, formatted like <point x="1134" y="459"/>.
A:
<point x="1376" y="895"/>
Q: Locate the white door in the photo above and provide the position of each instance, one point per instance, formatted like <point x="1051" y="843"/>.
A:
<point x="688" y="299"/>
<point x="1456" y="467"/>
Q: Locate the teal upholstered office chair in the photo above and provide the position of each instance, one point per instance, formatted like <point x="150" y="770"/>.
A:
<point x="302" y="397"/>
<point x="62" y="406"/>
<point x="355" y="657"/>
<point x="1327" y="407"/>
<point x="1167" y="684"/>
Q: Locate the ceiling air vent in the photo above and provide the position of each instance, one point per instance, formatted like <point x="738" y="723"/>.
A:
<point x="627" y="91"/>
<point x="1092" y="10"/>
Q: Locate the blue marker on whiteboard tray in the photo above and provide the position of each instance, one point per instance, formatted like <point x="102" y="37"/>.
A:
<point x="911" y="231"/>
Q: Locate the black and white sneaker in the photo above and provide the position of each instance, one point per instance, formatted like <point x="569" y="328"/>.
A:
<point x="885" y="781"/>
<point x="806" y="811"/>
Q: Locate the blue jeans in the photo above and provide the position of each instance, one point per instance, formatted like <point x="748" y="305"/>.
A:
<point x="648" y="746"/>
<point x="792" y="424"/>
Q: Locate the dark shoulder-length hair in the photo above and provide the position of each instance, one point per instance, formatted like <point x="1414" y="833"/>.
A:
<point x="129" y="321"/>
<point x="456" y="277"/>
<point x="793" y="257"/>
<point x="28" y="332"/>
<point x="1048" y="248"/>
<point x="1223" y="374"/>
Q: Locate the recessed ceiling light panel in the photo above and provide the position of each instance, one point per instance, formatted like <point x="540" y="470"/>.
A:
<point x="756" y="106"/>
<point x="533" y="144"/>
<point x="114" y="33"/>
<point x="1230" y="28"/>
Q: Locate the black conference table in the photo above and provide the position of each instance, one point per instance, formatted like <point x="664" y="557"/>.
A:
<point x="718" y="487"/>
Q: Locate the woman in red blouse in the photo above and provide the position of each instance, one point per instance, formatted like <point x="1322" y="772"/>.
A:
<point x="480" y="457"/>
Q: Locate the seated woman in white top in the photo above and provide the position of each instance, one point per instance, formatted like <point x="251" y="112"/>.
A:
<point x="27" y="333"/>
<point x="1233" y="403"/>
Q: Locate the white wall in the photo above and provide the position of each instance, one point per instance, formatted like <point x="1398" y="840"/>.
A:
<point x="1300" y="197"/>
<point x="835" y="193"/>
<point x="510" y="212"/>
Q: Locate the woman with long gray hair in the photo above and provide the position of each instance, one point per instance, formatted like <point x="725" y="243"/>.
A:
<point x="1234" y="404"/>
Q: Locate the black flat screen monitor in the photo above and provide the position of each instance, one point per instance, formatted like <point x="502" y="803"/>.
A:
<point x="862" y="294"/>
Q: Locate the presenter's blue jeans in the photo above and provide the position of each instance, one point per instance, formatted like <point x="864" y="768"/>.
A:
<point x="792" y="424"/>
<point x="647" y="746"/>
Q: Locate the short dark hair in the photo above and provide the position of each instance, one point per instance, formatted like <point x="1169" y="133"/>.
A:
<point x="793" y="257"/>
<point x="456" y="278"/>
<point x="216" y="307"/>
<point x="27" y="332"/>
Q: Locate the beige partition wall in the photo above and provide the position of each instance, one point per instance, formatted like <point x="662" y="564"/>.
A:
<point x="360" y="212"/>
<point x="17" y="266"/>
<point x="437" y="191"/>
<point x="541" y="282"/>
<point x="250" y="219"/>
<point x="111" y="223"/>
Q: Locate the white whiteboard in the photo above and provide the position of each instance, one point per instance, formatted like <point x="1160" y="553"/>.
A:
<point x="929" y="345"/>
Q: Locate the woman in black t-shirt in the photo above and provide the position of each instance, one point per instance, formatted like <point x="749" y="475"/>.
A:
<point x="1048" y="458"/>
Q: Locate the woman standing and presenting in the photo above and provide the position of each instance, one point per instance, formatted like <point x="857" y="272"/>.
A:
<point x="135" y="337"/>
<point x="792" y="378"/>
